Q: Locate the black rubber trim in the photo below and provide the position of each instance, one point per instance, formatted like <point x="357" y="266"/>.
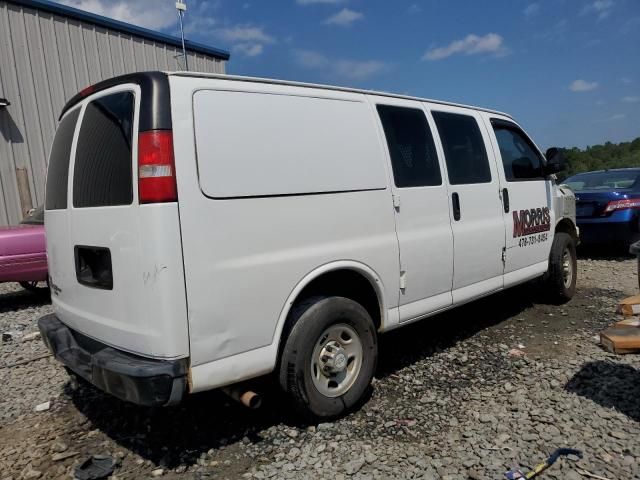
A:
<point x="303" y="194"/>
<point x="130" y="377"/>
<point x="155" y="102"/>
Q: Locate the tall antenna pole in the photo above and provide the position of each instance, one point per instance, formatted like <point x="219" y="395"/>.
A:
<point x="182" y="7"/>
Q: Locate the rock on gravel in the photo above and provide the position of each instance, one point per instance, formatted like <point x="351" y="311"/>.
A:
<point x="449" y="402"/>
<point x="31" y="382"/>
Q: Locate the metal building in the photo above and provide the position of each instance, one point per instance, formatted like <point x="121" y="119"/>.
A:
<point x="48" y="53"/>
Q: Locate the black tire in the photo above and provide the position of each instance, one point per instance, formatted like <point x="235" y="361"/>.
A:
<point x="558" y="287"/>
<point x="308" y="321"/>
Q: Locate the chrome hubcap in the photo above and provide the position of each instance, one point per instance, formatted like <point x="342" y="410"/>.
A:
<point x="333" y="358"/>
<point x="567" y="268"/>
<point x="336" y="360"/>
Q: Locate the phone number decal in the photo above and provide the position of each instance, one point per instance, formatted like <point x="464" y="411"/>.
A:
<point x="533" y="239"/>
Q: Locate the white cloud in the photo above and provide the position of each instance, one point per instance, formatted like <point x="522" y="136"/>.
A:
<point x="136" y="12"/>
<point x="343" y="68"/>
<point x="626" y="80"/>
<point x="358" y="70"/>
<point x="631" y="99"/>
<point x="311" y="59"/>
<point x="199" y="20"/>
<point x="491" y="43"/>
<point x="249" y="49"/>
<point x="246" y="39"/>
<point x="630" y="26"/>
<point x="601" y="8"/>
<point x="555" y="33"/>
<point x="311" y="2"/>
<point x="414" y="8"/>
<point x="344" y="18"/>
<point x="195" y="24"/>
<point x="245" y="33"/>
<point x="600" y="5"/>
<point x="582" y="86"/>
<point x="531" y="10"/>
<point x="617" y="116"/>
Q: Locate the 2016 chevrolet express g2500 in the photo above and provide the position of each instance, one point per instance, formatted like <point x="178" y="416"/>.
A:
<point x="203" y="230"/>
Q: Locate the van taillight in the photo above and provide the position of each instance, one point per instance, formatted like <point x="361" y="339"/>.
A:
<point x="156" y="167"/>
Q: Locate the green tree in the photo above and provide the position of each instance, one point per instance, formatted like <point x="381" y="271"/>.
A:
<point x="602" y="157"/>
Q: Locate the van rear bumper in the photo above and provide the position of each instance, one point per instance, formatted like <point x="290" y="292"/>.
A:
<point x="136" y="379"/>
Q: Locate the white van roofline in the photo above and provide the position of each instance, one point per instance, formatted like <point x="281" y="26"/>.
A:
<point x="241" y="78"/>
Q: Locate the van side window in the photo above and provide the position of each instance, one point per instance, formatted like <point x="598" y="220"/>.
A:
<point x="464" y="149"/>
<point x="102" y="174"/>
<point x="413" y="153"/>
<point x="58" y="175"/>
<point x="520" y="159"/>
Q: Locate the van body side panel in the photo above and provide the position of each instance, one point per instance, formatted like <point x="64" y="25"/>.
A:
<point x="259" y="144"/>
<point x="244" y="256"/>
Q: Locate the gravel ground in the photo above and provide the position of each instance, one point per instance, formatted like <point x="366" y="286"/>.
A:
<point x="448" y="401"/>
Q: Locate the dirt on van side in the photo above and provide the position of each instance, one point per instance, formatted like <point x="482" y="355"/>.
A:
<point x="471" y="393"/>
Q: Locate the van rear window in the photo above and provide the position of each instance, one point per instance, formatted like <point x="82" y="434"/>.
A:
<point x="58" y="173"/>
<point x="102" y="173"/>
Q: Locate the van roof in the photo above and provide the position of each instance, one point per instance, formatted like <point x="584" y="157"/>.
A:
<point x="241" y="78"/>
<point x="157" y="81"/>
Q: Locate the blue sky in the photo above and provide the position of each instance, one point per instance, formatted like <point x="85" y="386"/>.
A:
<point x="568" y="70"/>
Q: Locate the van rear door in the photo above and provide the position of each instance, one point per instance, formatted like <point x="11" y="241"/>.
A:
<point x="115" y="265"/>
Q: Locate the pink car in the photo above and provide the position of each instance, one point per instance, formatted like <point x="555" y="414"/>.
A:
<point x="23" y="255"/>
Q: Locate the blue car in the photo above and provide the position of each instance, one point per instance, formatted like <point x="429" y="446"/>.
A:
<point x="607" y="206"/>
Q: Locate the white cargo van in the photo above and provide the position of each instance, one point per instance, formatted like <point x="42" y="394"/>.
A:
<point x="203" y="230"/>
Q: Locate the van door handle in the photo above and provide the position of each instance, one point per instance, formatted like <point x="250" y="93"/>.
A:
<point x="505" y="200"/>
<point x="455" y="200"/>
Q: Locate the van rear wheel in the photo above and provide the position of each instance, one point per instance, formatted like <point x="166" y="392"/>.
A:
<point x="330" y="355"/>
<point x="560" y="279"/>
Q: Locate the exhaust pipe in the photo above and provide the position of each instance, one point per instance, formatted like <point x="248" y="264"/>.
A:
<point x="240" y="393"/>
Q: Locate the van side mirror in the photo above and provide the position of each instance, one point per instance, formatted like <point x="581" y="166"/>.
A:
<point x="556" y="161"/>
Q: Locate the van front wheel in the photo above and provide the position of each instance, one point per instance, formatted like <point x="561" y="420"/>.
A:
<point x="560" y="279"/>
<point x="330" y="355"/>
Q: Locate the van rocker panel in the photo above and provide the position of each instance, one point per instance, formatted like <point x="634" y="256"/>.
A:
<point x="136" y="379"/>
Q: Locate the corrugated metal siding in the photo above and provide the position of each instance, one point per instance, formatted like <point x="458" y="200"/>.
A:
<point x="45" y="59"/>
